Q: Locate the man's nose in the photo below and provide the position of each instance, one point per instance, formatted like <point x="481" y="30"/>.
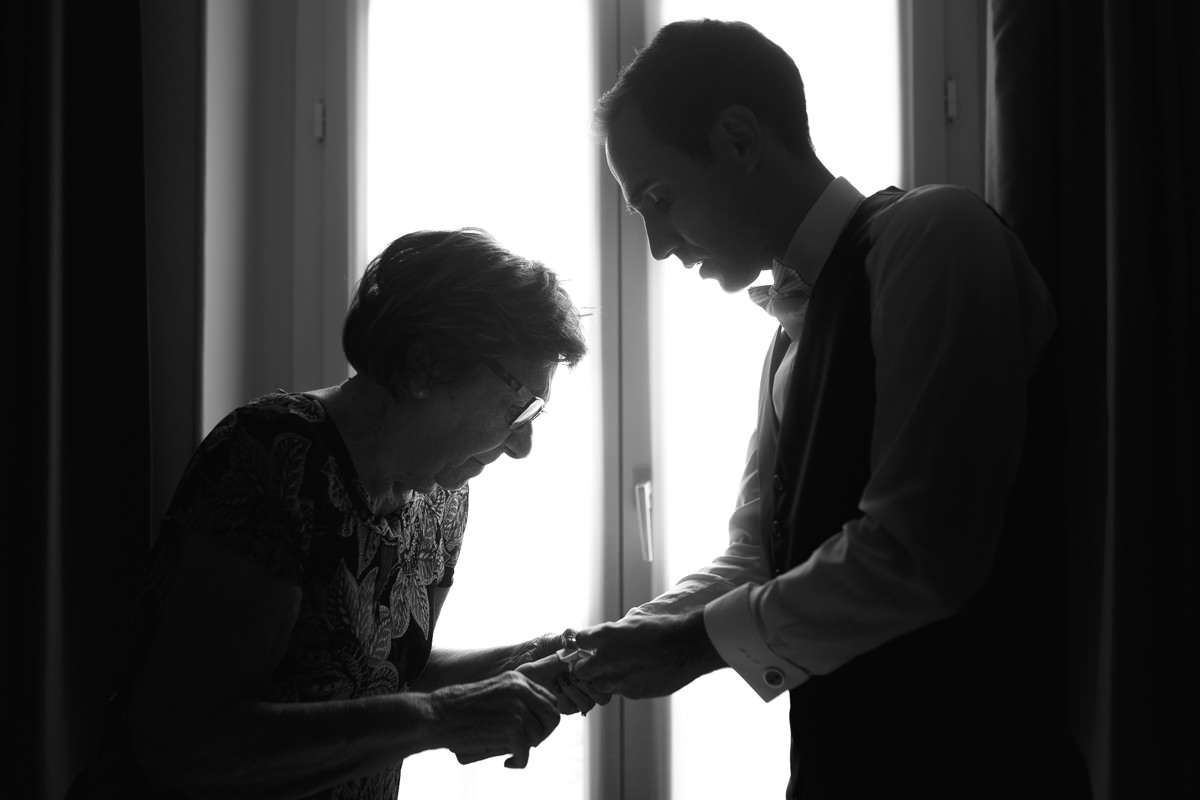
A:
<point x="519" y="442"/>
<point x="662" y="238"/>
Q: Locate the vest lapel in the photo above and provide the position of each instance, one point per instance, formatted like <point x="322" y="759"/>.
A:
<point x="768" y="441"/>
<point x="820" y="454"/>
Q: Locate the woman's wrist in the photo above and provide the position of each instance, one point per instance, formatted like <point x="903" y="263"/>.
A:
<point x="535" y="649"/>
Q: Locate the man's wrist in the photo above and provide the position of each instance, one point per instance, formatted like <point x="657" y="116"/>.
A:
<point x="702" y="653"/>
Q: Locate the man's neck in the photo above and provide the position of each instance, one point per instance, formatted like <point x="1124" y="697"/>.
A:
<point x="799" y="184"/>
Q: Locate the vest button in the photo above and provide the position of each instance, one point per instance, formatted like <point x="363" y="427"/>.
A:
<point x="778" y="484"/>
<point x="776" y="531"/>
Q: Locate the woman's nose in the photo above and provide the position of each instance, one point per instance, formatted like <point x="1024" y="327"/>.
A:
<point x="519" y="442"/>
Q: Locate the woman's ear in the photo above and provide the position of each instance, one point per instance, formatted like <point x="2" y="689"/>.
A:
<point x="736" y="137"/>
<point x="417" y="378"/>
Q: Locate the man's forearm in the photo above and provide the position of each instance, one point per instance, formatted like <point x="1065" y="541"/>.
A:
<point x="647" y="656"/>
<point x="698" y="648"/>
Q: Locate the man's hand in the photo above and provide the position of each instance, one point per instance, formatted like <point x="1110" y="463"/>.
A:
<point x="646" y="656"/>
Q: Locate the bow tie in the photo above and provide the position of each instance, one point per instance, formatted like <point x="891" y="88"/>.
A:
<point x="787" y="285"/>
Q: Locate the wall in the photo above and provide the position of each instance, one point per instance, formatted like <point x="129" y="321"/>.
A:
<point x="280" y="195"/>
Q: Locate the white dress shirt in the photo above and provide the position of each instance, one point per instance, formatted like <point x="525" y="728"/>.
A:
<point x="959" y="318"/>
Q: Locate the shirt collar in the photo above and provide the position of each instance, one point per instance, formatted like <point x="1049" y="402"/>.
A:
<point x="800" y="267"/>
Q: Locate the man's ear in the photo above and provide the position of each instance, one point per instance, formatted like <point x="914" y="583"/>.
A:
<point x="737" y="136"/>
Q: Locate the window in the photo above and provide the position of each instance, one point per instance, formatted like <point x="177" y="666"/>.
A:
<point x="848" y="56"/>
<point x="476" y="117"/>
<point x="478" y="113"/>
<point x="501" y="139"/>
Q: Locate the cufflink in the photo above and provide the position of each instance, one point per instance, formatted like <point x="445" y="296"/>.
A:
<point x="773" y="678"/>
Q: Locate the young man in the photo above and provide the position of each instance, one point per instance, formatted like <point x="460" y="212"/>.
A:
<point x="879" y="558"/>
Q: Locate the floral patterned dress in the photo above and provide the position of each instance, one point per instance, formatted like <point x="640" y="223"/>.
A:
<point x="275" y="482"/>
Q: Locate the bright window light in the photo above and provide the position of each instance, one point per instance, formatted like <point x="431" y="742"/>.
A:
<point x="707" y="359"/>
<point x="479" y="114"/>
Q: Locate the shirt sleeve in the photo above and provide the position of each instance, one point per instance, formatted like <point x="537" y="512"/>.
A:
<point x="742" y="561"/>
<point x="958" y="319"/>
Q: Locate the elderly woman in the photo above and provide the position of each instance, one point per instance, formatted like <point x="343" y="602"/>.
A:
<point x="284" y="624"/>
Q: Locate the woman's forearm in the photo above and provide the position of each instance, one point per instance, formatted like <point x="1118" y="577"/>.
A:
<point x="286" y="750"/>
<point x="447" y="666"/>
<point x="291" y="750"/>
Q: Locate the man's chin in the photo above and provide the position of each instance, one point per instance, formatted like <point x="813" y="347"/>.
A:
<point x="730" y="280"/>
<point x="732" y="284"/>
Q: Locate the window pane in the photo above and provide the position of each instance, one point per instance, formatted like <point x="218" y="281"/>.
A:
<point x="710" y="345"/>
<point x="477" y="117"/>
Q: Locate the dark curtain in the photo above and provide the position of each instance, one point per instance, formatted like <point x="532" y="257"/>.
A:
<point x="1092" y="158"/>
<point x="77" y="495"/>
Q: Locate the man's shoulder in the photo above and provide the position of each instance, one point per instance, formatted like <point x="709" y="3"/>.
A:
<point x="935" y="213"/>
<point x="940" y="203"/>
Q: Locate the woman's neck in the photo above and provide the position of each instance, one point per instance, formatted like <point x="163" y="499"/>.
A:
<point x="359" y="407"/>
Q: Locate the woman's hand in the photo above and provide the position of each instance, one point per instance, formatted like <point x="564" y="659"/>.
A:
<point x="555" y="674"/>
<point x="506" y="714"/>
<point x="536" y="649"/>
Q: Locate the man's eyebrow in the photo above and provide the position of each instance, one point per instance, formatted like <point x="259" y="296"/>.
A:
<point x="635" y="195"/>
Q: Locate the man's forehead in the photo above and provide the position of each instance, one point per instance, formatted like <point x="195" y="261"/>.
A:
<point x="628" y="149"/>
<point x="620" y="175"/>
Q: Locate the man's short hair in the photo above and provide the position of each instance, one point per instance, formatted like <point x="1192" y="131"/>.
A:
<point x="693" y="69"/>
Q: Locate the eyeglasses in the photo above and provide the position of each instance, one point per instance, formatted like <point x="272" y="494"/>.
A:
<point x="531" y="410"/>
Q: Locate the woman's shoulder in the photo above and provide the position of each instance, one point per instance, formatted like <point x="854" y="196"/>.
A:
<point x="276" y="433"/>
<point x="270" y="415"/>
<point x="284" y="406"/>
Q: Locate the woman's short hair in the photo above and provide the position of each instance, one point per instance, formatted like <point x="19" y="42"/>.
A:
<point x="465" y="298"/>
<point x="694" y="69"/>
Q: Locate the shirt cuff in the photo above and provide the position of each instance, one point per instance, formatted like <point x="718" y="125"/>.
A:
<point x="735" y="633"/>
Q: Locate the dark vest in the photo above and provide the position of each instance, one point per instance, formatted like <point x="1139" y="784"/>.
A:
<point x="956" y="708"/>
